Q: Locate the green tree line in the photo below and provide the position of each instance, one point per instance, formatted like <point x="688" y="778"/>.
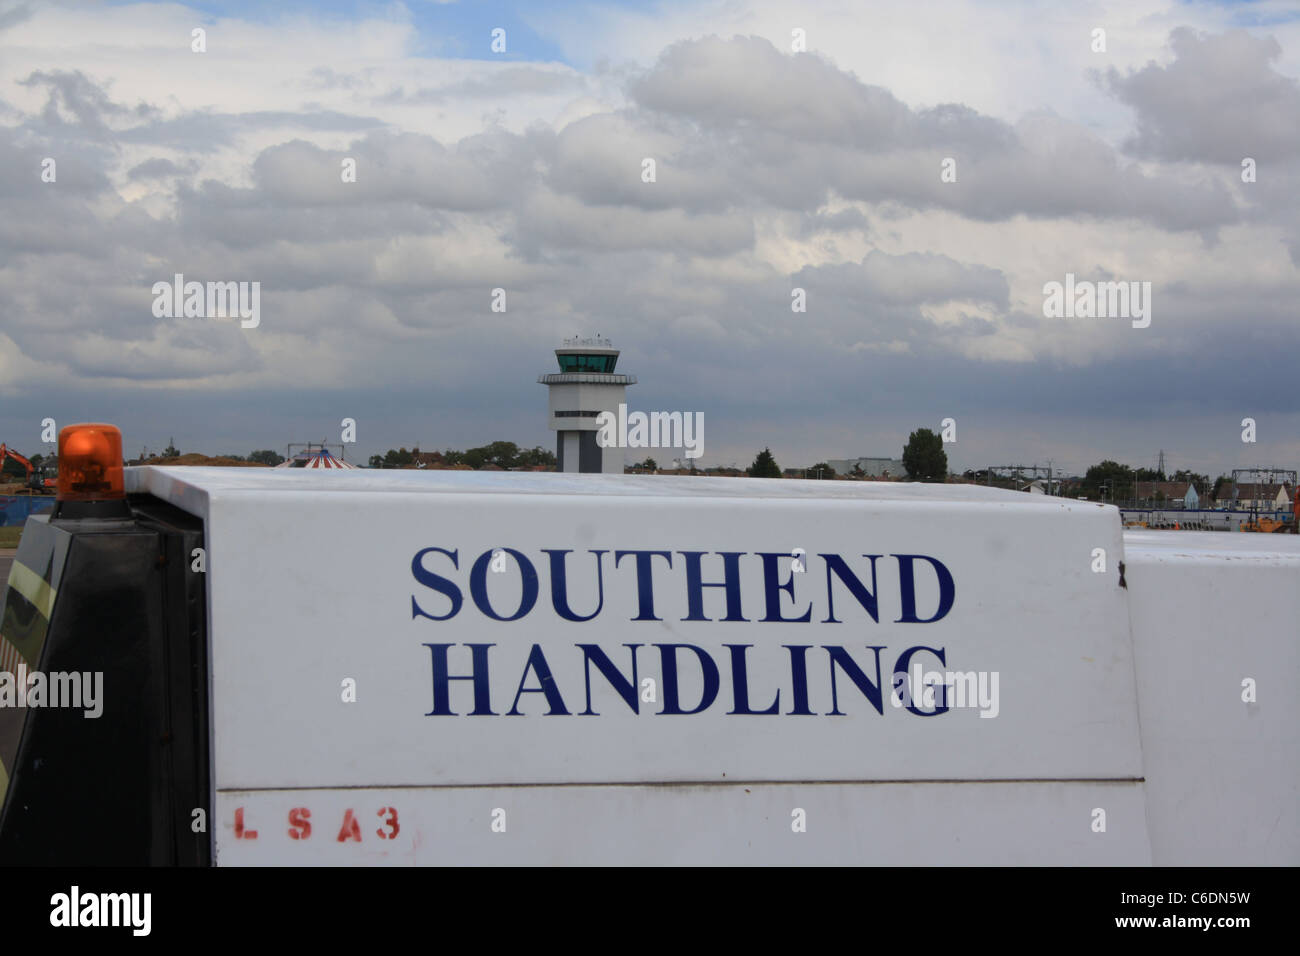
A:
<point x="503" y="454"/>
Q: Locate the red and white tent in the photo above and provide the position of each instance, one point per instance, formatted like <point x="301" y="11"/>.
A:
<point x="315" y="458"/>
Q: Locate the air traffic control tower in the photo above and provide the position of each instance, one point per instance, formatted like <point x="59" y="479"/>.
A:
<point x="584" y="387"/>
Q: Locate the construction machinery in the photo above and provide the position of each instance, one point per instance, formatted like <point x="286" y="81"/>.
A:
<point x="36" y="481"/>
<point x="1276" y="525"/>
<point x="1266" y="524"/>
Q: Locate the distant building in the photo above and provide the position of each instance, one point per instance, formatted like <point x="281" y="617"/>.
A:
<point x="1170" y="494"/>
<point x="426" y="459"/>
<point x="871" y="467"/>
<point x="1261" y="497"/>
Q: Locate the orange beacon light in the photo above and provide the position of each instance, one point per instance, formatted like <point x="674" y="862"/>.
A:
<point x="90" y="464"/>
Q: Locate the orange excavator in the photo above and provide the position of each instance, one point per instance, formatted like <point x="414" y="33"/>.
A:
<point x="1275" y="525"/>
<point x="34" y="481"/>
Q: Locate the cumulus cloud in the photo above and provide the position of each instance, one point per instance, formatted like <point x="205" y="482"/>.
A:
<point x="793" y="129"/>
<point x="1218" y="100"/>
<point x="485" y="171"/>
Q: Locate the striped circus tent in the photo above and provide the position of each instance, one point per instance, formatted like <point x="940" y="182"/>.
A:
<point x="315" y="458"/>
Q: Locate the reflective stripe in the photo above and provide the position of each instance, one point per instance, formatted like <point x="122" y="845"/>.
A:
<point x="33" y="587"/>
<point x="9" y="656"/>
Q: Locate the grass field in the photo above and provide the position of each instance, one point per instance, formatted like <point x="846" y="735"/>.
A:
<point x="9" y="536"/>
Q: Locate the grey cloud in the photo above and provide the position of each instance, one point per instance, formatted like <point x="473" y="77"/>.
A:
<point x="243" y="219"/>
<point x="845" y="220"/>
<point x="549" y="222"/>
<point x="14" y="15"/>
<point x="204" y="132"/>
<point x="1218" y="101"/>
<point x="201" y="131"/>
<point x="323" y="77"/>
<point x="84" y="99"/>
<point x="600" y="160"/>
<point x="156" y="168"/>
<point x="313" y="119"/>
<point x="79" y="168"/>
<point x="511" y="81"/>
<point x="917" y="277"/>
<point x="746" y="82"/>
<point x="878" y="302"/>
<point x="94" y="317"/>
<point x="204" y="350"/>
<point x="790" y="129"/>
<point x="480" y="172"/>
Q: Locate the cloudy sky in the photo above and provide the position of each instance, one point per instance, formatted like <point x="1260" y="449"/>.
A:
<point x="774" y="170"/>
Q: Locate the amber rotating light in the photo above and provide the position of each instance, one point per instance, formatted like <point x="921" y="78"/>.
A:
<point x="90" y="464"/>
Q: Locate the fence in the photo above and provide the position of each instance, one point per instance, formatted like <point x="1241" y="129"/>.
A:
<point x="1194" y="520"/>
<point x="14" y="509"/>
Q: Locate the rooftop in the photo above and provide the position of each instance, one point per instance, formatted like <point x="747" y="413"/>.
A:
<point x="193" y="488"/>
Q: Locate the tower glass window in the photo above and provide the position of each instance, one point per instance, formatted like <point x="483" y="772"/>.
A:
<point x="587" y="363"/>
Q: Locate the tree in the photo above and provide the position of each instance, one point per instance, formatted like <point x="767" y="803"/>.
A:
<point x="1116" y="479"/>
<point x="821" y="470"/>
<point x="648" y="465"/>
<point x="265" y="457"/>
<point x="171" y="451"/>
<point x="924" y="457"/>
<point x="764" y="466"/>
<point x="535" y="456"/>
<point x="396" y="459"/>
<point x="857" y="471"/>
<point x="503" y="454"/>
<point x="1200" y="482"/>
<point x="1218" y="485"/>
